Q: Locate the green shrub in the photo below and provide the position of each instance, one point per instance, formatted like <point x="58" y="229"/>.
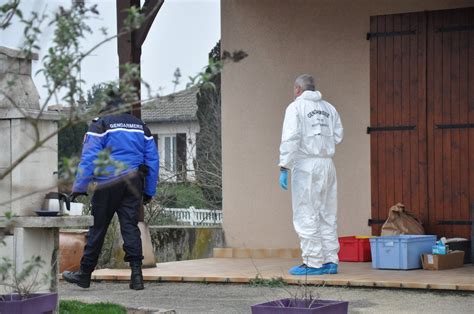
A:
<point x="270" y="283"/>
<point x="160" y="218"/>
<point x="70" y="140"/>
<point x="181" y="195"/>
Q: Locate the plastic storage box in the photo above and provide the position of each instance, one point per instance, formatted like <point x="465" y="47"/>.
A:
<point x="400" y="252"/>
<point x="354" y="249"/>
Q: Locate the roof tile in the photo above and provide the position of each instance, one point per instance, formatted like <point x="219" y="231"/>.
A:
<point x="176" y="107"/>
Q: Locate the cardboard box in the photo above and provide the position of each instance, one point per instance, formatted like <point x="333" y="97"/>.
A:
<point x="451" y="260"/>
<point x="462" y="246"/>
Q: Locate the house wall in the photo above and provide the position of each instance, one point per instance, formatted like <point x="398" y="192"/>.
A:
<point x="163" y="128"/>
<point x="283" y="39"/>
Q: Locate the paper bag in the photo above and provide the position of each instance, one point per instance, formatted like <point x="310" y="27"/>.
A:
<point x="401" y="221"/>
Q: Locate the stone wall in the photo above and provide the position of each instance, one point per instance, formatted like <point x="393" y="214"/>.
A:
<point x="172" y="244"/>
<point x="35" y="176"/>
<point x="177" y="244"/>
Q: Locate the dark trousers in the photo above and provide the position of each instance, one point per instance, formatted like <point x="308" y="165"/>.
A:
<point x="122" y="197"/>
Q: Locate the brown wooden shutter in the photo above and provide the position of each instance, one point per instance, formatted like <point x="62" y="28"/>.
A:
<point x="450" y="85"/>
<point x="181" y="156"/>
<point x="398" y="114"/>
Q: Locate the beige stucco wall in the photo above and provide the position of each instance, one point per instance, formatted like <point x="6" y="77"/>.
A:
<point x="285" y="38"/>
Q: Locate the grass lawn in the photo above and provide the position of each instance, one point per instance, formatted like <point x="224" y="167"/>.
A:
<point x="76" y="307"/>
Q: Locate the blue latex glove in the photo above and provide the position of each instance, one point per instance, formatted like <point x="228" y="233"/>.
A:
<point x="284" y="178"/>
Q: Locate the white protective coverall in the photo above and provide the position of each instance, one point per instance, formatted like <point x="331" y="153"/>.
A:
<point x="311" y="130"/>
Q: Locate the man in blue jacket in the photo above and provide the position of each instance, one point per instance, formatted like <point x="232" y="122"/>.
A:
<point x="128" y="177"/>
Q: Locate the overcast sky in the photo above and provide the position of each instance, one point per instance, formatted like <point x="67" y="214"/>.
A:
<point x="182" y="35"/>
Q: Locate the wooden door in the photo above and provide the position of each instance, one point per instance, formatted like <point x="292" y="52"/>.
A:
<point x="398" y="115"/>
<point x="450" y="86"/>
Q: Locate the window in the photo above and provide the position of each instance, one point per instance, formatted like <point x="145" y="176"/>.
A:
<point x="170" y="153"/>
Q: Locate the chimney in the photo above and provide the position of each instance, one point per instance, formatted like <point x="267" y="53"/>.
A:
<point x="23" y="190"/>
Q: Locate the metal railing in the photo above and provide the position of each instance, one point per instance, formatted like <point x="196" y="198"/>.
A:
<point x="196" y="217"/>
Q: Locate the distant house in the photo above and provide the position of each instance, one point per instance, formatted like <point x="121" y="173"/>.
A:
<point x="173" y="122"/>
<point x="59" y="108"/>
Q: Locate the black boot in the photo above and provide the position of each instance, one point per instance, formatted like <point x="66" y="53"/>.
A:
<point x="80" y="278"/>
<point x="136" y="279"/>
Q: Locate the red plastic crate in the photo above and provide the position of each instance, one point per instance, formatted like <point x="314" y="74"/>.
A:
<point x="353" y="249"/>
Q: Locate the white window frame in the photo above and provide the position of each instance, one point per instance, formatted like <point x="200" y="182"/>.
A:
<point x="170" y="165"/>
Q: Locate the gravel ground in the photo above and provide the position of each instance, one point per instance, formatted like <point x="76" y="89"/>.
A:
<point x="232" y="298"/>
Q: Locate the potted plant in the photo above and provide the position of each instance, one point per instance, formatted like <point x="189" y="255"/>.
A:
<point x="33" y="304"/>
<point x="21" y="285"/>
<point x="71" y="247"/>
<point x="296" y="306"/>
<point x="303" y="301"/>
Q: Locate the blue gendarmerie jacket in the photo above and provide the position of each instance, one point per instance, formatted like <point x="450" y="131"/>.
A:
<point x="128" y="140"/>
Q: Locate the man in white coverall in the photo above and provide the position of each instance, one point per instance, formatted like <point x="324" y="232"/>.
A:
<point x="311" y="131"/>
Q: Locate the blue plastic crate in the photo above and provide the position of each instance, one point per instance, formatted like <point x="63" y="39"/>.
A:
<point x="400" y="252"/>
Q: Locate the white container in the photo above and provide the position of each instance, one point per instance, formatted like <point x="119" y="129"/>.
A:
<point x="76" y="209"/>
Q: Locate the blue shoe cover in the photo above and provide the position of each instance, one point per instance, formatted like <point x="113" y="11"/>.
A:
<point x="303" y="270"/>
<point x="331" y="268"/>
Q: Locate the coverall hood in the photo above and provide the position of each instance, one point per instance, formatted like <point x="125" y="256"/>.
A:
<point x="310" y="95"/>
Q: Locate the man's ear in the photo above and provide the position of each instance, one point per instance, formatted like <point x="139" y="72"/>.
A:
<point x="297" y="90"/>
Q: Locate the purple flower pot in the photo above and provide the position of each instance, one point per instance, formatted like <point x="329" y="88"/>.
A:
<point x="34" y="304"/>
<point x="296" y="306"/>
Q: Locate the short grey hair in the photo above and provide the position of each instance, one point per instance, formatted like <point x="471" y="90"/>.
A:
<point x="305" y="81"/>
